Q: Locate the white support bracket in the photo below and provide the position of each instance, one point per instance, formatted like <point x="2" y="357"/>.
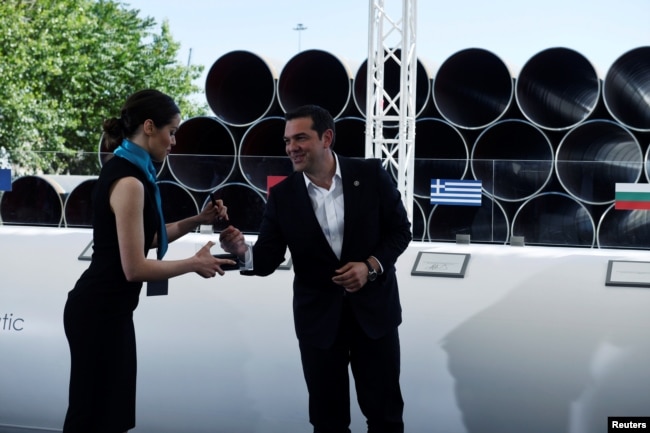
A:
<point x="392" y="40"/>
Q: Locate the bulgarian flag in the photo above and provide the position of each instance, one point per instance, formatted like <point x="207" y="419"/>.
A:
<point x="632" y="196"/>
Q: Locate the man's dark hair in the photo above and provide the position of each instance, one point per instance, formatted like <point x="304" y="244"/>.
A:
<point x="322" y="120"/>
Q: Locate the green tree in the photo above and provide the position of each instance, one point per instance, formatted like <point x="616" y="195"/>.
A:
<point x="66" y="65"/>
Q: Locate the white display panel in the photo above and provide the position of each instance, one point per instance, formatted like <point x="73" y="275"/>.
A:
<point x="530" y="337"/>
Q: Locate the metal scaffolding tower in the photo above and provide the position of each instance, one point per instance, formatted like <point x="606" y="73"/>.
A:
<point x="392" y="40"/>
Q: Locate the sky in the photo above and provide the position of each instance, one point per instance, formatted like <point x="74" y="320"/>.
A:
<point x="514" y="30"/>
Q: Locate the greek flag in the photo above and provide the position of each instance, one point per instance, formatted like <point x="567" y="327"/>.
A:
<point x="456" y="192"/>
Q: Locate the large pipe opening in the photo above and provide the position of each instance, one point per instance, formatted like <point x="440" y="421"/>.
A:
<point x="241" y="88"/>
<point x="204" y="155"/>
<point x="177" y="201"/>
<point x="440" y="153"/>
<point x="350" y="137"/>
<point x="78" y="209"/>
<point x="554" y="219"/>
<point x="485" y="223"/>
<point x="245" y="206"/>
<point x="315" y="77"/>
<point x="626" y="89"/>
<point x="557" y="89"/>
<point x="473" y="88"/>
<point x="594" y="156"/>
<point x="262" y="153"/>
<point x="37" y="200"/>
<point x="624" y="229"/>
<point x="513" y="159"/>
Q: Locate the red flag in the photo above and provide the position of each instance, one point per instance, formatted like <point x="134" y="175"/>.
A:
<point x="271" y="181"/>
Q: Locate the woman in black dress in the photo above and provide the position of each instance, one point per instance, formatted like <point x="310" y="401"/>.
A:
<point x="98" y="315"/>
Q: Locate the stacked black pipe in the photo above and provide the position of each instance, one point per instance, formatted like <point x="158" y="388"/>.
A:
<point x="548" y="145"/>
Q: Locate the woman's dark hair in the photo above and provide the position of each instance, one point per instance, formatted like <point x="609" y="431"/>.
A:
<point x="140" y="106"/>
<point x="321" y="119"/>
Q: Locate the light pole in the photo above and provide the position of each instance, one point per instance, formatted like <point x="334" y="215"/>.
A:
<point x="299" y="28"/>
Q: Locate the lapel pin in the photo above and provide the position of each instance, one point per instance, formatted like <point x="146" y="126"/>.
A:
<point x="356" y="183"/>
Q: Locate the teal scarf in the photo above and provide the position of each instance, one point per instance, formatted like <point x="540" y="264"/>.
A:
<point x="141" y="159"/>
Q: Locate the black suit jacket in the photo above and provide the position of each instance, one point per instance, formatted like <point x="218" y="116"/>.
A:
<point x="375" y="223"/>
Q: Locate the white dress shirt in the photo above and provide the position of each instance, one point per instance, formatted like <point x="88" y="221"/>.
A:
<point x="328" y="207"/>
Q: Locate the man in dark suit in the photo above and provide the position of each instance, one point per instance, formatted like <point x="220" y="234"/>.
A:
<point x="345" y="226"/>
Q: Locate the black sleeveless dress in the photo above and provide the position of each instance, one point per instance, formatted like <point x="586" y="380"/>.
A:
<point x="98" y="319"/>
